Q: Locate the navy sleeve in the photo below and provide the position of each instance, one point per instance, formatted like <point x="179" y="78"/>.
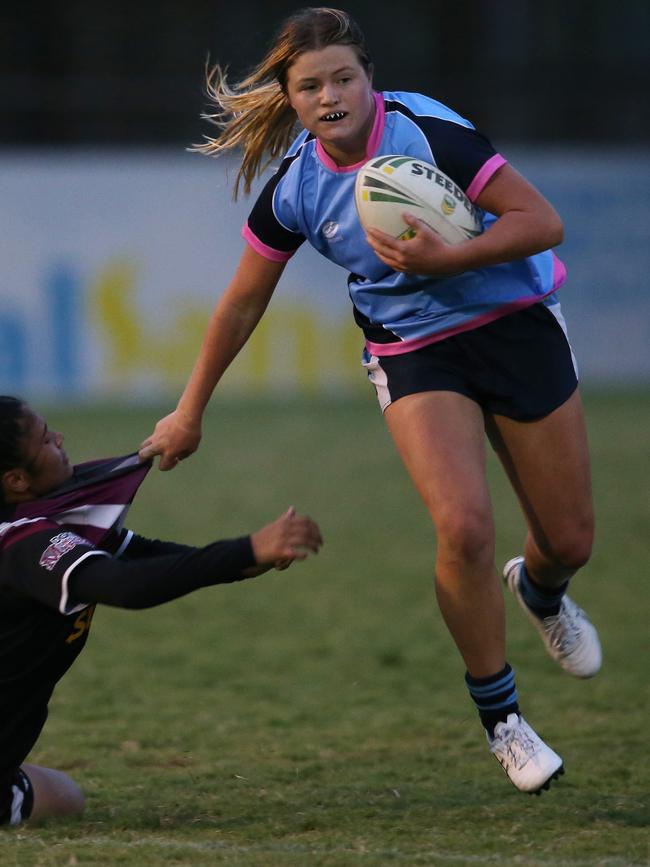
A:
<point x="461" y="152"/>
<point x="458" y="149"/>
<point x="264" y="227"/>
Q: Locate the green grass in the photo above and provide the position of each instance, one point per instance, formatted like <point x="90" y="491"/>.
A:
<point x="318" y="716"/>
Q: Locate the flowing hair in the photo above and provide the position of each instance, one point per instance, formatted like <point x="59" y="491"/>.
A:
<point x="255" y="113"/>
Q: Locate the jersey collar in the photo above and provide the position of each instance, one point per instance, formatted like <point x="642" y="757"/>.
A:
<point x="371" y="148"/>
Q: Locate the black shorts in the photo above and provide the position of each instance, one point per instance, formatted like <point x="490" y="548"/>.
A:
<point x="16" y="797"/>
<point x="520" y="366"/>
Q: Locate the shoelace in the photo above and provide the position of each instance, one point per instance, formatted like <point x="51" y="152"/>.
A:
<point x="518" y="744"/>
<point x="563" y="629"/>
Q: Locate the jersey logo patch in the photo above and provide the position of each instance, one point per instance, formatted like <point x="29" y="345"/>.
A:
<point x="59" y="545"/>
<point x="330" y="229"/>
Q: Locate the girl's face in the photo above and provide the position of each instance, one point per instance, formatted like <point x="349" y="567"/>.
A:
<point x="332" y="95"/>
<point x="45" y="465"/>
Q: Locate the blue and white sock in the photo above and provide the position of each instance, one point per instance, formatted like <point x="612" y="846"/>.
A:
<point x="495" y="696"/>
<point x="542" y="601"/>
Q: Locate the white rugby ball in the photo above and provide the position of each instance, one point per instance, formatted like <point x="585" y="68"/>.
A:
<point x="389" y="185"/>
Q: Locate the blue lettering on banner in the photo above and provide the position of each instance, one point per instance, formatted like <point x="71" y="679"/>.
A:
<point x="52" y="355"/>
<point x="62" y="296"/>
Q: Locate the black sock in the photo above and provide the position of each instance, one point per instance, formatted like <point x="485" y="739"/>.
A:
<point x="495" y="696"/>
<point x="542" y="601"/>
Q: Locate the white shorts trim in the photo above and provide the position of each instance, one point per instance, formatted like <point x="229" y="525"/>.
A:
<point x="18" y="797"/>
<point x="377" y="376"/>
<point x="556" y="310"/>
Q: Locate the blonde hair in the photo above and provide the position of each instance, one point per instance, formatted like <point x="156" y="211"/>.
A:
<point x="255" y="113"/>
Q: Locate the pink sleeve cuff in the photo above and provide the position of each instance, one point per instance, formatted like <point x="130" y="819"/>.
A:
<point x="483" y="176"/>
<point x="263" y="249"/>
<point x="559" y="272"/>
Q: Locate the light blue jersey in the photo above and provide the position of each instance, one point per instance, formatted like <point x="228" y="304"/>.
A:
<point x="311" y="198"/>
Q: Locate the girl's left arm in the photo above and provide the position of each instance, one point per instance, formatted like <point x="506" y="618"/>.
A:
<point x="527" y="224"/>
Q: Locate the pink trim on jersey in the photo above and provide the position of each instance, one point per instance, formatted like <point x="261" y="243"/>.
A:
<point x="405" y="346"/>
<point x="263" y="249"/>
<point x="559" y="272"/>
<point x="483" y="175"/>
<point x="374" y="140"/>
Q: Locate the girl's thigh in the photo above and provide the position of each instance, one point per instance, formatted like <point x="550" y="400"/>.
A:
<point x="440" y="437"/>
<point x="547" y="461"/>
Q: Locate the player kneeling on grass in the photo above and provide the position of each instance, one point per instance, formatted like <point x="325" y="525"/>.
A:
<point x="63" y="549"/>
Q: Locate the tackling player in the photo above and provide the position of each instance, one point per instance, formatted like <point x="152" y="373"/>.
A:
<point x="63" y="550"/>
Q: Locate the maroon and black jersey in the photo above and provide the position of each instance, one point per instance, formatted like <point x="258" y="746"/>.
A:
<point x="38" y="643"/>
<point x="41" y="631"/>
<point x="59" y="557"/>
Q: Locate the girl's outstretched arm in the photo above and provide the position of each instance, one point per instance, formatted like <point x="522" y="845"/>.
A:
<point x="234" y="319"/>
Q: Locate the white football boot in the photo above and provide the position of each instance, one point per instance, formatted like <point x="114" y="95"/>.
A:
<point x="569" y="636"/>
<point x="529" y="763"/>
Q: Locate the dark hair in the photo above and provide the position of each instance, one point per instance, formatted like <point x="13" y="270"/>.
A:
<point x="12" y="433"/>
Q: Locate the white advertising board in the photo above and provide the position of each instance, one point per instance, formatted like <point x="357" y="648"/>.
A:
<point x="112" y="262"/>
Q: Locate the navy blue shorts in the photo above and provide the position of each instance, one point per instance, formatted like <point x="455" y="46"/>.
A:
<point x="520" y="366"/>
<point x="16" y="797"/>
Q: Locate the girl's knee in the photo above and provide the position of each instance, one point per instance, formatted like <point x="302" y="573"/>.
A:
<point x="467" y="534"/>
<point x="572" y="551"/>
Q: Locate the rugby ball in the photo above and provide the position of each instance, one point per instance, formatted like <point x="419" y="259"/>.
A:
<point x="389" y="185"/>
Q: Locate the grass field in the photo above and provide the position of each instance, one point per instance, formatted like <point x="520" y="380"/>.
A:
<point x="318" y="716"/>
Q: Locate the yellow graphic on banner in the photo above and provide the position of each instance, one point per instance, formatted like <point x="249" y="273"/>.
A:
<point x="293" y="347"/>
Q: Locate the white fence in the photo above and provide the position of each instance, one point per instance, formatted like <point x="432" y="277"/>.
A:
<point x="111" y="263"/>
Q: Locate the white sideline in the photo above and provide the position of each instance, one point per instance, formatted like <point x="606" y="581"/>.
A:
<point x="262" y="848"/>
